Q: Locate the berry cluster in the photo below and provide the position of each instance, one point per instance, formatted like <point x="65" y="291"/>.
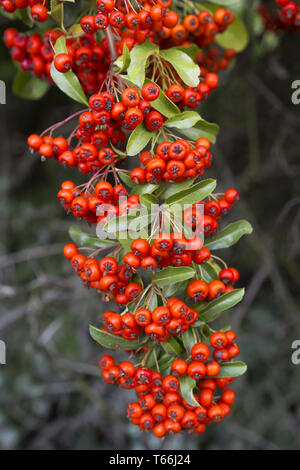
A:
<point x="173" y="161"/>
<point x="160" y="406"/>
<point x="287" y="17"/>
<point x="107" y="276"/>
<point x="88" y="59"/>
<point x="168" y="332"/>
<point x="174" y="318"/>
<point x="38" y="9"/>
<point x="99" y="205"/>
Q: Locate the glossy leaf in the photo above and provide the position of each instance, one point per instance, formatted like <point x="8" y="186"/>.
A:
<point x="107" y="340"/>
<point x="67" y="82"/>
<point x="84" y="239"/>
<point x="232" y="369"/>
<point x="171" y="346"/>
<point x="125" y="177"/>
<point x="145" y="188"/>
<point x="123" y="61"/>
<point x="29" y="87"/>
<point x="211" y="311"/>
<point x="230" y="235"/>
<point x="188" y="340"/>
<point x="139" y="56"/>
<point x="194" y="194"/>
<point x="186" y="68"/>
<point x="138" y="140"/>
<point x="147" y="200"/>
<point x="184" y="120"/>
<point x="202" y="129"/>
<point x="173" y="188"/>
<point x="173" y="275"/>
<point x="187" y="386"/>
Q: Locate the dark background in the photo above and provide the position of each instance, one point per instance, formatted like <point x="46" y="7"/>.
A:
<point x="51" y="395"/>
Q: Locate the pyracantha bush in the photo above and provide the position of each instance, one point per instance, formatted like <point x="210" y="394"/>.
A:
<point x="142" y="69"/>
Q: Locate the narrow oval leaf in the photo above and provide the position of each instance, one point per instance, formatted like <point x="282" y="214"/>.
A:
<point x="230" y="235"/>
<point x="213" y="309"/>
<point x="139" y="56"/>
<point x="165" y="362"/>
<point x="148" y="200"/>
<point x="84" y="239"/>
<point x="125" y="177"/>
<point x="232" y="369"/>
<point x="67" y="82"/>
<point x="202" y="129"/>
<point x="171" y="346"/>
<point x="192" y="195"/>
<point x="138" y="140"/>
<point x="187" y="386"/>
<point x="173" y="275"/>
<point x="29" y="87"/>
<point x="173" y="188"/>
<point x="188" y="340"/>
<point x="123" y="62"/>
<point x="107" y="340"/>
<point x="184" y="120"/>
<point x="145" y="188"/>
<point x="186" y="68"/>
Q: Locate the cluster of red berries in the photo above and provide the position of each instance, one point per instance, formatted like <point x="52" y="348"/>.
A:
<point x="173" y="161"/>
<point x="166" y="250"/>
<point x="200" y="290"/>
<point x="89" y="59"/>
<point x="214" y="209"/>
<point x="288" y="16"/>
<point x="107" y="276"/>
<point x="212" y="61"/>
<point x="38" y="9"/>
<point x="174" y="318"/>
<point x="160" y="406"/>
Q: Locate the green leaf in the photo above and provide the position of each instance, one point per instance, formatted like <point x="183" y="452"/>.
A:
<point x="186" y="68"/>
<point x="192" y="195"/>
<point x="57" y="11"/>
<point x="163" y="104"/>
<point x="202" y="129"/>
<point x="125" y="177"/>
<point x="171" y="290"/>
<point x="191" y="50"/>
<point x="210" y="271"/>
<point x="123" y="61"/>
<point x="107" y="340"/>
<point x="165" y="362"/>
<point x="147" y="200"/>
<point x="187" y="386"/>
<point x="236" y="35"/>
<point x="184" y="120"/>
<point x="138" y="140"/>
<point x="84" y="239"/>
<point x="169" y="189"/>
<point x="25" y="16"/>
<point x="230" y="235"/>
<point x="139" y="56"/>
<point x="211" y="311"/>
<point x="232" y="369"/>
<point x="146" y="188"/>
<point x="29" y="87"/>
<point x="173" y="275"/>
<point x="188" y="340"/>
<point x="171" y="347"/>
<point x="67" y="82"/>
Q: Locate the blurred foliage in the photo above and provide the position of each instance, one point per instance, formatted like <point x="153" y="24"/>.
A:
<point x="51" y="395"/>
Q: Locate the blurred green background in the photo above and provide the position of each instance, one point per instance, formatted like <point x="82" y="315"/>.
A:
<point x="51" y="395"/>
